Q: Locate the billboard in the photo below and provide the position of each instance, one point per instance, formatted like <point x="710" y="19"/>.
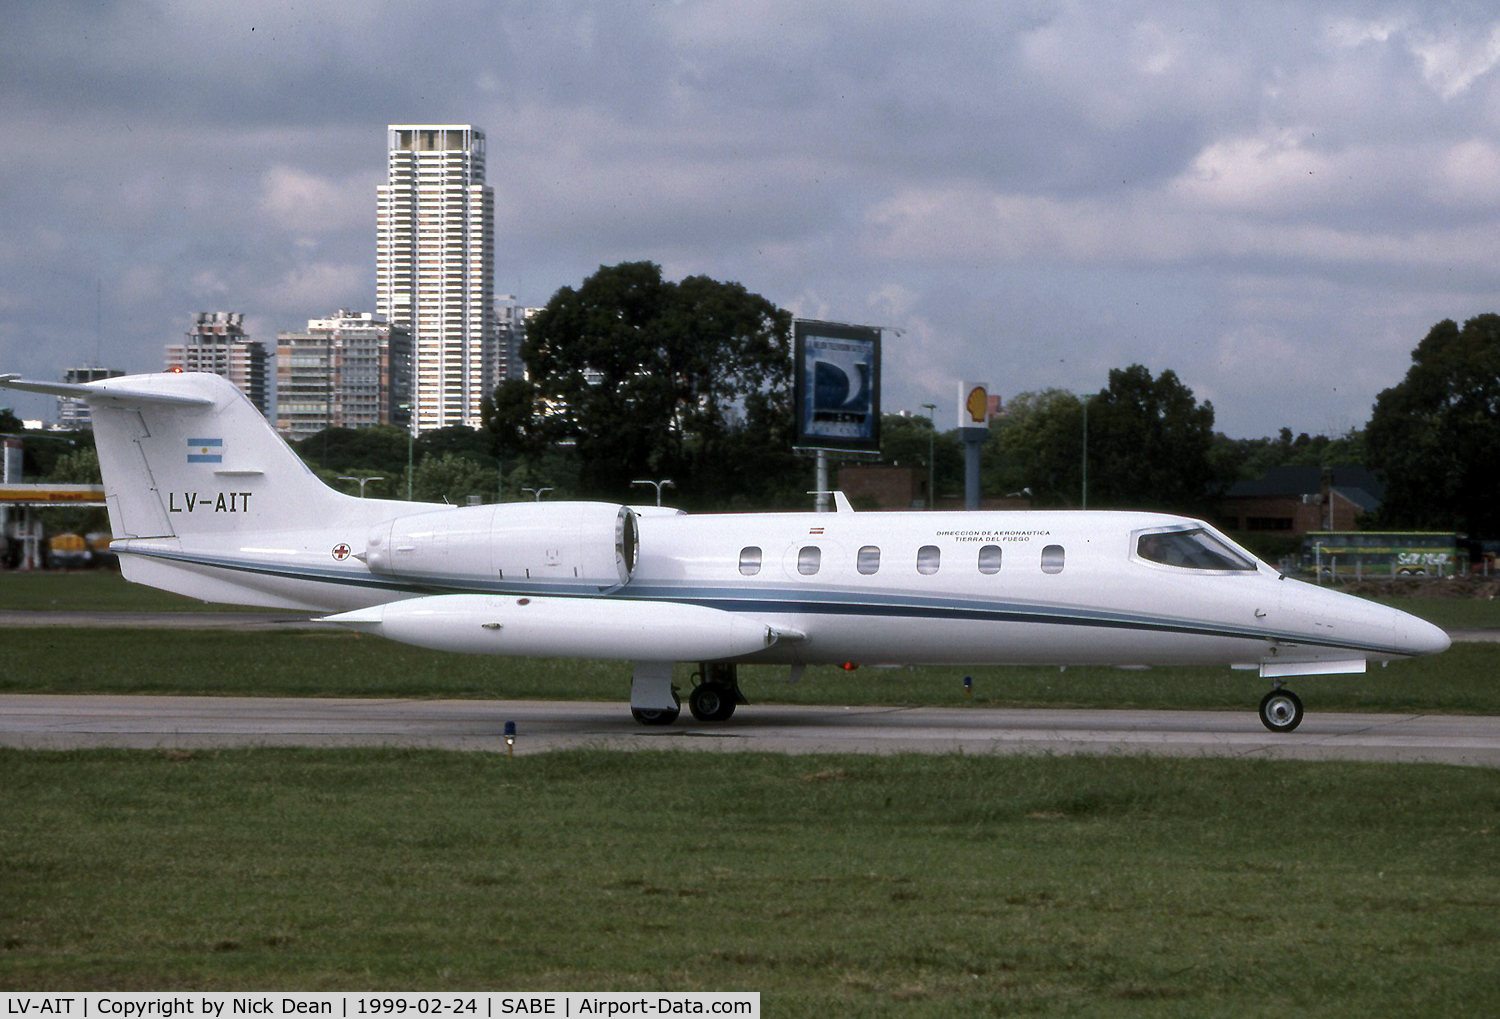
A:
<point x="838" y="386"/>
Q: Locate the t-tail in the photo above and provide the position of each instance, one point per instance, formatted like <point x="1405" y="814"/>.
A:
<point x="196" y="478"/>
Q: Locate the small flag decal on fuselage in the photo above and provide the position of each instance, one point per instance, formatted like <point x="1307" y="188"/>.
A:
<point x="205" y="451"/>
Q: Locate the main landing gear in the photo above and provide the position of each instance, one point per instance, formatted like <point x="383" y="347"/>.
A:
<point x="716" y="693"/>
<point x="1281" y="710"/>
<point x="654" y="700"/>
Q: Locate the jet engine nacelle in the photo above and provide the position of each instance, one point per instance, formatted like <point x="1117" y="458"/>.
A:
<point x="561" y="544"/>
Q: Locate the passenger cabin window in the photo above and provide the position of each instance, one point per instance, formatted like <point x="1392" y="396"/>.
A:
<point x="1052" y="559"/>
<point x="928" y="558"/>
<point x="1194" y="549"/>
<point x="750" y="560"/>
<point x="809" y="559"/>
<point x="868" y="561"/>
<point x="989" y="559"/>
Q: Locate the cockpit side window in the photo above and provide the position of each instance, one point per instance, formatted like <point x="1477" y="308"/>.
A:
<point x="1194" y="549"/>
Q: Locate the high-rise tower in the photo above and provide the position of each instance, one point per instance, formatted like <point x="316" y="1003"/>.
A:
<point x="349" y="370"/>
<point x="218" y="343"/>
<point x="435" y="265"/>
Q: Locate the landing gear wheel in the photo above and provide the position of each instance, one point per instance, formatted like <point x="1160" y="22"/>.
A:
<point x="655" y="716"/>
<point x="711" y="702"/>
<point x="1281" y="711"/>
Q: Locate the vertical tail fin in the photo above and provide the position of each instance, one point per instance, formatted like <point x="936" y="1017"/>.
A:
<point x="186" y="453"/>
<point x="207" y="467"/>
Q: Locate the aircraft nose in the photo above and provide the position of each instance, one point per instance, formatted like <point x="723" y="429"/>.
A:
<point x="1388" y="632"/>
<point x="1419" y="637"/>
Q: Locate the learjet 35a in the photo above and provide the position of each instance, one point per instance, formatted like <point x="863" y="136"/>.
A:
<point x="207" y="501"/>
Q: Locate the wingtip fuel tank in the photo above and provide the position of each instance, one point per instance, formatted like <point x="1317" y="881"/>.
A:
<point x="623" y="629"/>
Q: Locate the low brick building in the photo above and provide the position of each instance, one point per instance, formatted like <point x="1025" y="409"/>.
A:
<point x="1296" y="500"/>
<point x="882" y="486"/>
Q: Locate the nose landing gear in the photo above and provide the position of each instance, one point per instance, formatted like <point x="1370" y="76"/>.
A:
<point x="1281" y="710"/>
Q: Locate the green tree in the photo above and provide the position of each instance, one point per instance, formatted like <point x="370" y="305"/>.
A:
<point x="43" y="450"/>
<point x="448" y="477"/>
<point x="1252" y="458"/>
<point x="9" y="423"/>
<point x="536" y="473"/>
<point x="77" y="467"/>
<point x="1436" y="435"/>
<point x="513" y="420"/>
<point x="1150" y="445"/>
<point x="381" y="449"/>
<point x="648" y="378"/>
<point x="906" y="441"/>
<point x="460" y="440"/>
<point x="1036" y="448"/>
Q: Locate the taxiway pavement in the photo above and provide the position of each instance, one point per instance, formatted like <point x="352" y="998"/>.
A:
<point x="45" y="721"/>
<point x="48" y="721"/>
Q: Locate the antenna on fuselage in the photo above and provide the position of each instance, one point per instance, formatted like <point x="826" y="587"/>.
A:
<point x="841" y="503"/>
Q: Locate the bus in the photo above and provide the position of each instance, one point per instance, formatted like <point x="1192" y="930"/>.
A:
<point x="1376" y="554"/>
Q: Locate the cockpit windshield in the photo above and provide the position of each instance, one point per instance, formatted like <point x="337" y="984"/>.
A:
<point x="1194" y="549"/>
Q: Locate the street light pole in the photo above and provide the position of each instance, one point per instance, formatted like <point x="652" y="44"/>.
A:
<point x="658" y="485"/>
<point x="362" y="482"/>
<point x="931" y="449"/>
<point x="1085" y="453"/>
<point x="1086" y="401"/>
<point x="411" y="441"/>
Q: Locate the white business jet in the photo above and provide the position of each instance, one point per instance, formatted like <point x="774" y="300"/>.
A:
<point x="207" y="501"/>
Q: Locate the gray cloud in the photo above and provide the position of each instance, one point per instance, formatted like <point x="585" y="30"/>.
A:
<point x="1276" y="201"/>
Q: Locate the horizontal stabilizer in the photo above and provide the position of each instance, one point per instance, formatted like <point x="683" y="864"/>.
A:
<point x="104" y="389"/>
<point x="624" y="629"/>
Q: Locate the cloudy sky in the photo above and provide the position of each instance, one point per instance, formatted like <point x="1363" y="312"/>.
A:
<point x="1276" y="201"/>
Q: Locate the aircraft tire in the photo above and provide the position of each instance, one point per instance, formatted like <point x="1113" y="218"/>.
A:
<point x="655" y="716"/>
<point x="1281" y="711"/>
<point x="711" y="702"/>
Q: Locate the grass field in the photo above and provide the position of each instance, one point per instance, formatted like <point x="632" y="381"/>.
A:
<point x="1452" y="613"/>
<point x="342" y="664"/>
<point x="914" y="886"/>
<point x="91" y="591"/>
<point x="835" y="885"/>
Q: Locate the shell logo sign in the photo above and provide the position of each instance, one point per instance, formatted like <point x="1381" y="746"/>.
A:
<point x="973" y="405"/>
<point x="977" y="405"/>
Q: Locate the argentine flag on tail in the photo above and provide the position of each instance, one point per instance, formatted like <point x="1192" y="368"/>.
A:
<point x="205" y="451"/>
